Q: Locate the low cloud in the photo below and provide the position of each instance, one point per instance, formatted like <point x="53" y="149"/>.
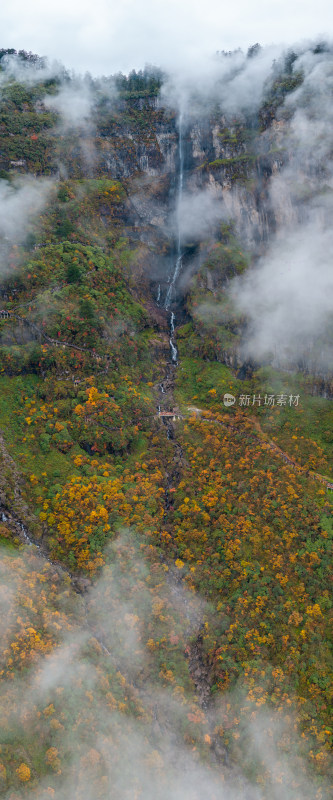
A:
<point x="20" y="203"/>
<point x="232" y="81"/>
<point x="73" y="102"/>
<point x="198" y="214"/>
<point x="99" y="664"/>
<point x="288" y="295"/>
<point x="30" y="71"/>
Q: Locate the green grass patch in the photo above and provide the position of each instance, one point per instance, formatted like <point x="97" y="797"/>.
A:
<point x="305" y="431"/>
<point x="199" y="382"/>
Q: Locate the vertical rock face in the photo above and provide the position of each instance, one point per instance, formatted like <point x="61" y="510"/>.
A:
<point x="256" y="171"/>
<point x="225" y="157"/>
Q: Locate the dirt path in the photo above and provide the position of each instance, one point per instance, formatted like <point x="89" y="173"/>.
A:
<point x="270" y="444"/>
<point x="291" y="461"/>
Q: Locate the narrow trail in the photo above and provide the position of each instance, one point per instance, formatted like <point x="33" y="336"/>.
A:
<point x="270" y="444"/>
<point x="17" y="516"/>
<point x="11" y="315"/>
<point x="291" y="461"/>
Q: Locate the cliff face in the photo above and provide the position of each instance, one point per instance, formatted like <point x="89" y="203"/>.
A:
<point x="118" y="452"/>
<point x="222" y="156"/>
<point x="227" y="161"/>
<point x="262" y="184"/>
<point x="243" y="171"/>
<point x="137" y="141"/>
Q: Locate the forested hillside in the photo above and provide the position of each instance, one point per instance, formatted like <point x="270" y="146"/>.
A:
<point x="165" y="434"/>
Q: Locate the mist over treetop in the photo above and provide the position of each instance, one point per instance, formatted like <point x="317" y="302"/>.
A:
<point x="166" y="426"/>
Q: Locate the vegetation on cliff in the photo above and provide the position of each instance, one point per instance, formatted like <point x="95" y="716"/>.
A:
<point x="179" y="599"/>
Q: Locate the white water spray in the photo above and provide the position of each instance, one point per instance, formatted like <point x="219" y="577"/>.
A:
<point x="174" y="351"/>
<point x="179" y="256"/>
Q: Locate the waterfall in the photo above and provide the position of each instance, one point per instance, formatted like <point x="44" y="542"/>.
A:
<point x="179" y="256"/>
<point x="158" y="294"/>
<point x="174" y="351"/>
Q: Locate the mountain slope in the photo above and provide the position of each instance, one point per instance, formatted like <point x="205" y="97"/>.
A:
<point x="177" y="609"/>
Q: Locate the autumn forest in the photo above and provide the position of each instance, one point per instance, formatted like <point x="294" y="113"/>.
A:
<point x="165" y="552"/>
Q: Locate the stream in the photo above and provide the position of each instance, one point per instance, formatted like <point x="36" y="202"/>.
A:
<point x="179" y="254"/>
<point x="18" y="520"/>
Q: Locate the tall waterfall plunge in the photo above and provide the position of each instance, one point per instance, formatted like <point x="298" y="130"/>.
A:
<point x="178" y="263"/>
